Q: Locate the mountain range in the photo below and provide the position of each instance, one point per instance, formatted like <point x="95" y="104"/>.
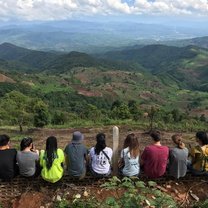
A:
<point x="94" y="37"/>
<point x="167" y="76"/>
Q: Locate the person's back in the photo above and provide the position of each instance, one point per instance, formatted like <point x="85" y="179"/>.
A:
<point x="130" y="156"/>
<point x="27" y="158"/>
<point x="8" y="164"/>
<point x="178" y="157"/>
<point x="200" y="158"/>
<point x="76" y="154"/>
<point x="27" y="163"/>
<point x="199" y="155"/>
<point x="178" y="162"/>
<point x="51" y="161"/>
<point x="155" y="160"/>
<point x="8" y="167"/>
<point x="131" y="164"/>
<point x="56" y="171"/>
<point x="154" y="157"/>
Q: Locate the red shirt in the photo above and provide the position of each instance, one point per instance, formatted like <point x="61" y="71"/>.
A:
<point x="155" y="159"/>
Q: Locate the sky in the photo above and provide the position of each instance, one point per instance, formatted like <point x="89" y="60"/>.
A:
<point x="46" y="10"/>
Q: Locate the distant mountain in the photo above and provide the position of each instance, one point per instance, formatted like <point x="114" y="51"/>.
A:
<point x="92" y="36"/>
<point x="12" y="52"/>
<point x="186" y="66"/>
<point x="22" y="59"/>
<point x="29" y="58"/>
<point x="153" y="57"/>
<point x="199" y="41"/>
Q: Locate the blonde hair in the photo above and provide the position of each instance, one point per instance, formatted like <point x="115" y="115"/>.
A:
<point x="177" y="139"/>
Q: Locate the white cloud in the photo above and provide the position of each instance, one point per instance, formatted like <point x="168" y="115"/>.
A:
<point x="63" y="9"/>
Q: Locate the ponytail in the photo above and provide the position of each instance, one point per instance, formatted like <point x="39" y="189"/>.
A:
<point x="178" y="141"/>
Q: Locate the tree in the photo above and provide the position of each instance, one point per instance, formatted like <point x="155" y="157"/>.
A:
<point x="93" y="112"/>
<point x="151" y="114"/>
<point x="59" y="118"/>
<point x="121" y="112"/>
<point x="17" y="108"/>
<point x="177" y="116"/>
<point x="202" y="118"/>
<point x="116" y="104"/>
<point x="134" y="110"/>
<point x="41" y="116"/>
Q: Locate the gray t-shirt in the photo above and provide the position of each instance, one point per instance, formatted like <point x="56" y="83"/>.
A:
<point x="178" y="162"/>
<point x="76" y="154"/>
<point x="27" y="163"/>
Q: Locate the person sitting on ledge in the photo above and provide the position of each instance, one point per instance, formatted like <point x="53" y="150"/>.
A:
<point x="76" y="156"/>
<point x="130" y="156"/>
<point x="51" y="161"/>
<point x="178" y="157"/>
<point x="154" y="157"/>
<point x="199" y="155"/>
<point x="28" y="159"/>
<point x="100" y="157"/>
<point x="8" y="163"/>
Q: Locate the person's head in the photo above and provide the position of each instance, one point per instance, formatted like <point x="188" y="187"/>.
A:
<point x="26" y="142"/>
<point x="4" y="140"/>
<point x="51" y="150"/>
<point x="177" y="139"/>
<point x="100" y="145"/>
<point x="77" y="137"/>
<point x="132" y="143"/>
<point x="201" y="138"/>
<point x="155" y="135"/>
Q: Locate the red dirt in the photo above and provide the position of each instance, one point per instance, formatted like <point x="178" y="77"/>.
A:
<point x="30" y="200"/>
<point x="4" y="78"/>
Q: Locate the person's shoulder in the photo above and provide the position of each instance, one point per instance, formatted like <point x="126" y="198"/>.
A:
<point x="68" y="145"/>
<point x="92" y="149"/>
<point x="60" y="150"/>
<point x="12" y="150"/>
<point x="165" y="149"/>
<point x="109" y="149"/>
<point x="149" y="147"/>
<point x="42" y="152"/>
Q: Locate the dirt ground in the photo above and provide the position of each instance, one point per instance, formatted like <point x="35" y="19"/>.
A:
<point x="64" y="136"/>
<point x="184" y="194"/>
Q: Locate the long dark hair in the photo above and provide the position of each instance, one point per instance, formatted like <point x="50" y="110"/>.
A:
<point x="51" y="151"/>
<point x="101" y="145"/>
<point x="132" y="143"/>
<point x="26" y="142"/>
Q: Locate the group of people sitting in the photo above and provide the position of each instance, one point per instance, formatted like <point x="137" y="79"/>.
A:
<point x="154" y="161"/>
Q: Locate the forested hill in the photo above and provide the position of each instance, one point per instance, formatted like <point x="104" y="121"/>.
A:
<point x="117" y="85"/>
<point x="186" y="66"/>
<point x="23" y="59"/>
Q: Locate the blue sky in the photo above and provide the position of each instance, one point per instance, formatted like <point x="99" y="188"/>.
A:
<point x="44" y="10"/>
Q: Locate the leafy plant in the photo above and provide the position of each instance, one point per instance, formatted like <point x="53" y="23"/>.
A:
<point x="62" y="204"/>
<point x="201" y="204"/>
<point x="137" y="194"/>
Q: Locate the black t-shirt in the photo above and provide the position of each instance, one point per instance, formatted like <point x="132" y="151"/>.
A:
<point x="8" y="166"/>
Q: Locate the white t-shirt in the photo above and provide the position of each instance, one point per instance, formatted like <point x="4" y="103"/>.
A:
<point x="100" y="163"/>
<point x="131" y="167"/>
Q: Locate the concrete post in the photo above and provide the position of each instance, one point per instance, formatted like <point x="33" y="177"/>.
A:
<point x="115" y="149"/>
